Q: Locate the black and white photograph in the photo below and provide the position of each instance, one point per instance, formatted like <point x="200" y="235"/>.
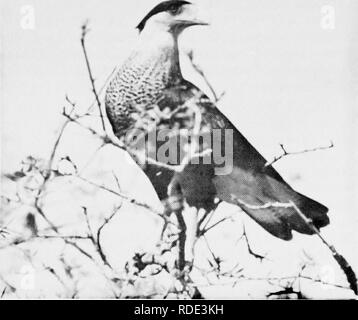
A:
<point x="179" y="150"/>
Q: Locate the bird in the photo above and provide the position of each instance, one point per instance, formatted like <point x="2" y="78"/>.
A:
<point x="149" y="90"/>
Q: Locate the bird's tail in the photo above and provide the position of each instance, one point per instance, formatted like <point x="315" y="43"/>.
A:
<point x="313" y="210"/>
<point x="261" y="199"/>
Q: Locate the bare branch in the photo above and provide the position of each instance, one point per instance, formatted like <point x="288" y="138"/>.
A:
<point x="63" y="237"/>
<point x="89" y="228"/>
<point x="124" y="197"/>
<point x="200" y="71"/>
<point x="206" y="229"/>
<point x="3" y="292"/>
<point x="260" y="207"/>
<point x="85" y="30"/>
<point x="285" y="153"/>
<point x="251" y="252"/>
<point x="99" y="233"/>
<point x="217" y="260"/>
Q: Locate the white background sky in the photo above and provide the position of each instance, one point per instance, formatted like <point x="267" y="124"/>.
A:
<point x="287" y="80"/>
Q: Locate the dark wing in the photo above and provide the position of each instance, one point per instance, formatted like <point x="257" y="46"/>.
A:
<point x="251" y="184"/>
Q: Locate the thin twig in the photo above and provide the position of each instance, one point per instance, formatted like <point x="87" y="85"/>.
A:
<point x="217" y="260"/>
<point x="63" y="237"/>
<point x="249" y="249"/>
<point x="206" y="229"/>
<point x="124" y="197"/>
<point x="200" y="71"/>
<point x="3" y="292"/>
<point x="99" y="233"/>
<point x="104" y="86"/>
<point x="85" y="30"/>
<point x="343" y="263"/>
<point x="285" y="153"/>
<point x="48" y="172"/>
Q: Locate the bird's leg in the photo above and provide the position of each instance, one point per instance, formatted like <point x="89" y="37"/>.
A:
<point x="181" y="241"/>
<point x="192" y="225"/>
<point x="175" y="204"/>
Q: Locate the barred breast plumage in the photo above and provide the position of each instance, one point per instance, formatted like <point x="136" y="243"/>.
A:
<point x="138" y="85"/>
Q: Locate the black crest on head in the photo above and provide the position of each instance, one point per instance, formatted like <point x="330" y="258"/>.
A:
<point x="161" y="7"/>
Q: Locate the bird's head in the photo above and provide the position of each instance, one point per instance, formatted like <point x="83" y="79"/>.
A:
<point x="172" y="15"/>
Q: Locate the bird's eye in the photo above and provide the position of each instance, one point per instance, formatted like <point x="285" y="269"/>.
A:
<point x="175" y="10"/>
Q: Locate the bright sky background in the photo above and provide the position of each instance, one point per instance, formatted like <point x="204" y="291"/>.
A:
<point x="287" y="80"/>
